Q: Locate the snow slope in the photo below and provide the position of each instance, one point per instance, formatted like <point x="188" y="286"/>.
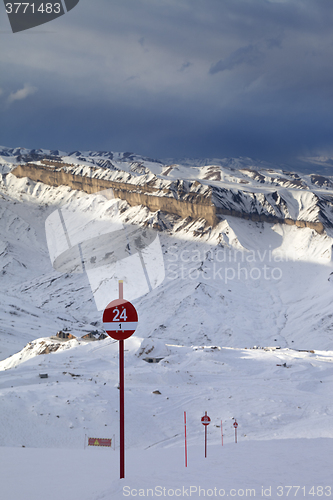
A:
<point x="284" y="416"/>
<point x="226" y="290"/>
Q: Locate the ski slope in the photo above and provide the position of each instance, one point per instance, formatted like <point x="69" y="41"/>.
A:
<point x="243" y="323"/>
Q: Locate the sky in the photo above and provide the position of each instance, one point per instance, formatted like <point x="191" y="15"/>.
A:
<point x="173" y="79"/>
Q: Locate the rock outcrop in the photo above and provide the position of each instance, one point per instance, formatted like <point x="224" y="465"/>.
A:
<point x="181" y="198"/>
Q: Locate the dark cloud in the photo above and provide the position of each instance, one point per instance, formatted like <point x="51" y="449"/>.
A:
<point x="173" y="78"/>
<point x="273" y="43"/>
<point x="185" y="65"/>
<point x="243" y="55"/>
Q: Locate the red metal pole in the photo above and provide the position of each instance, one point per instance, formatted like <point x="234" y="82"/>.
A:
<point x="222" y="432"/>
<point x="122" y="409"/>
<point x="185" y="439"/>
<point x="121" y="399"/>
<point x="205" y="437"/>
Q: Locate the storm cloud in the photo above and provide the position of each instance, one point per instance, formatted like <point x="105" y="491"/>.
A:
<point x="243" y="55"/>
<point x="169" y="78"/>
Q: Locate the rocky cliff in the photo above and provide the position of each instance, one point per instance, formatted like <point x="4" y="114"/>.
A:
<point x="194" y="199"/>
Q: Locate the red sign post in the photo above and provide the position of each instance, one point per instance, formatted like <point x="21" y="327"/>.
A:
<point x="205" y="420"/>
<point x="185" y="439"/>
<point x="120" y="320"/>
<point x="221" y="432"/>
<point x="235" y="426"/>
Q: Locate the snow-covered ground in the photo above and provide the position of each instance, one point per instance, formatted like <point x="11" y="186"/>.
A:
<point x="284" y="415"/>
<point x="241" y="285"/>
<point x="294" y="468"/>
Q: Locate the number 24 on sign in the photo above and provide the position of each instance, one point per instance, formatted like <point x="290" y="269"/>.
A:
<point x="119" y="315"/>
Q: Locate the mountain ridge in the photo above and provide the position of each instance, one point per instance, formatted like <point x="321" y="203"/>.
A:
<point x="261" y="200"/>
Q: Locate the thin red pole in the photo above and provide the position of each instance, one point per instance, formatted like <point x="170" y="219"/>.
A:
<point x="185" y="439"/>
<point x="205" y="437"/>
<point x="122" y="409"/>
<point x="222" y="432"/>
<point x="121" y="399"/>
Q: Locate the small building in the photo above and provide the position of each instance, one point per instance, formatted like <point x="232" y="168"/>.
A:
<point x="65" y="335"/>
<point x="95" y="335"/>
<point x="152" y="360"/>
<point x="90" y="336"/>
<point x="43" y="375"/>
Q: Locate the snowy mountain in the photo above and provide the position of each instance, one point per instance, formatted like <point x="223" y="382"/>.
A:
<point x="239" y="187"/>
<point x="241" y="323"/>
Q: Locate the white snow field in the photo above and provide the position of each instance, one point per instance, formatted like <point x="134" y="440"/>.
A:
<point x="243" y="323"/>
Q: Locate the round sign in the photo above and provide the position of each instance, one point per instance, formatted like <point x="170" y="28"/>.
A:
<point x="120" y="319"/>
<point x="205" y="420"/>
<point x="235" y="425"/>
